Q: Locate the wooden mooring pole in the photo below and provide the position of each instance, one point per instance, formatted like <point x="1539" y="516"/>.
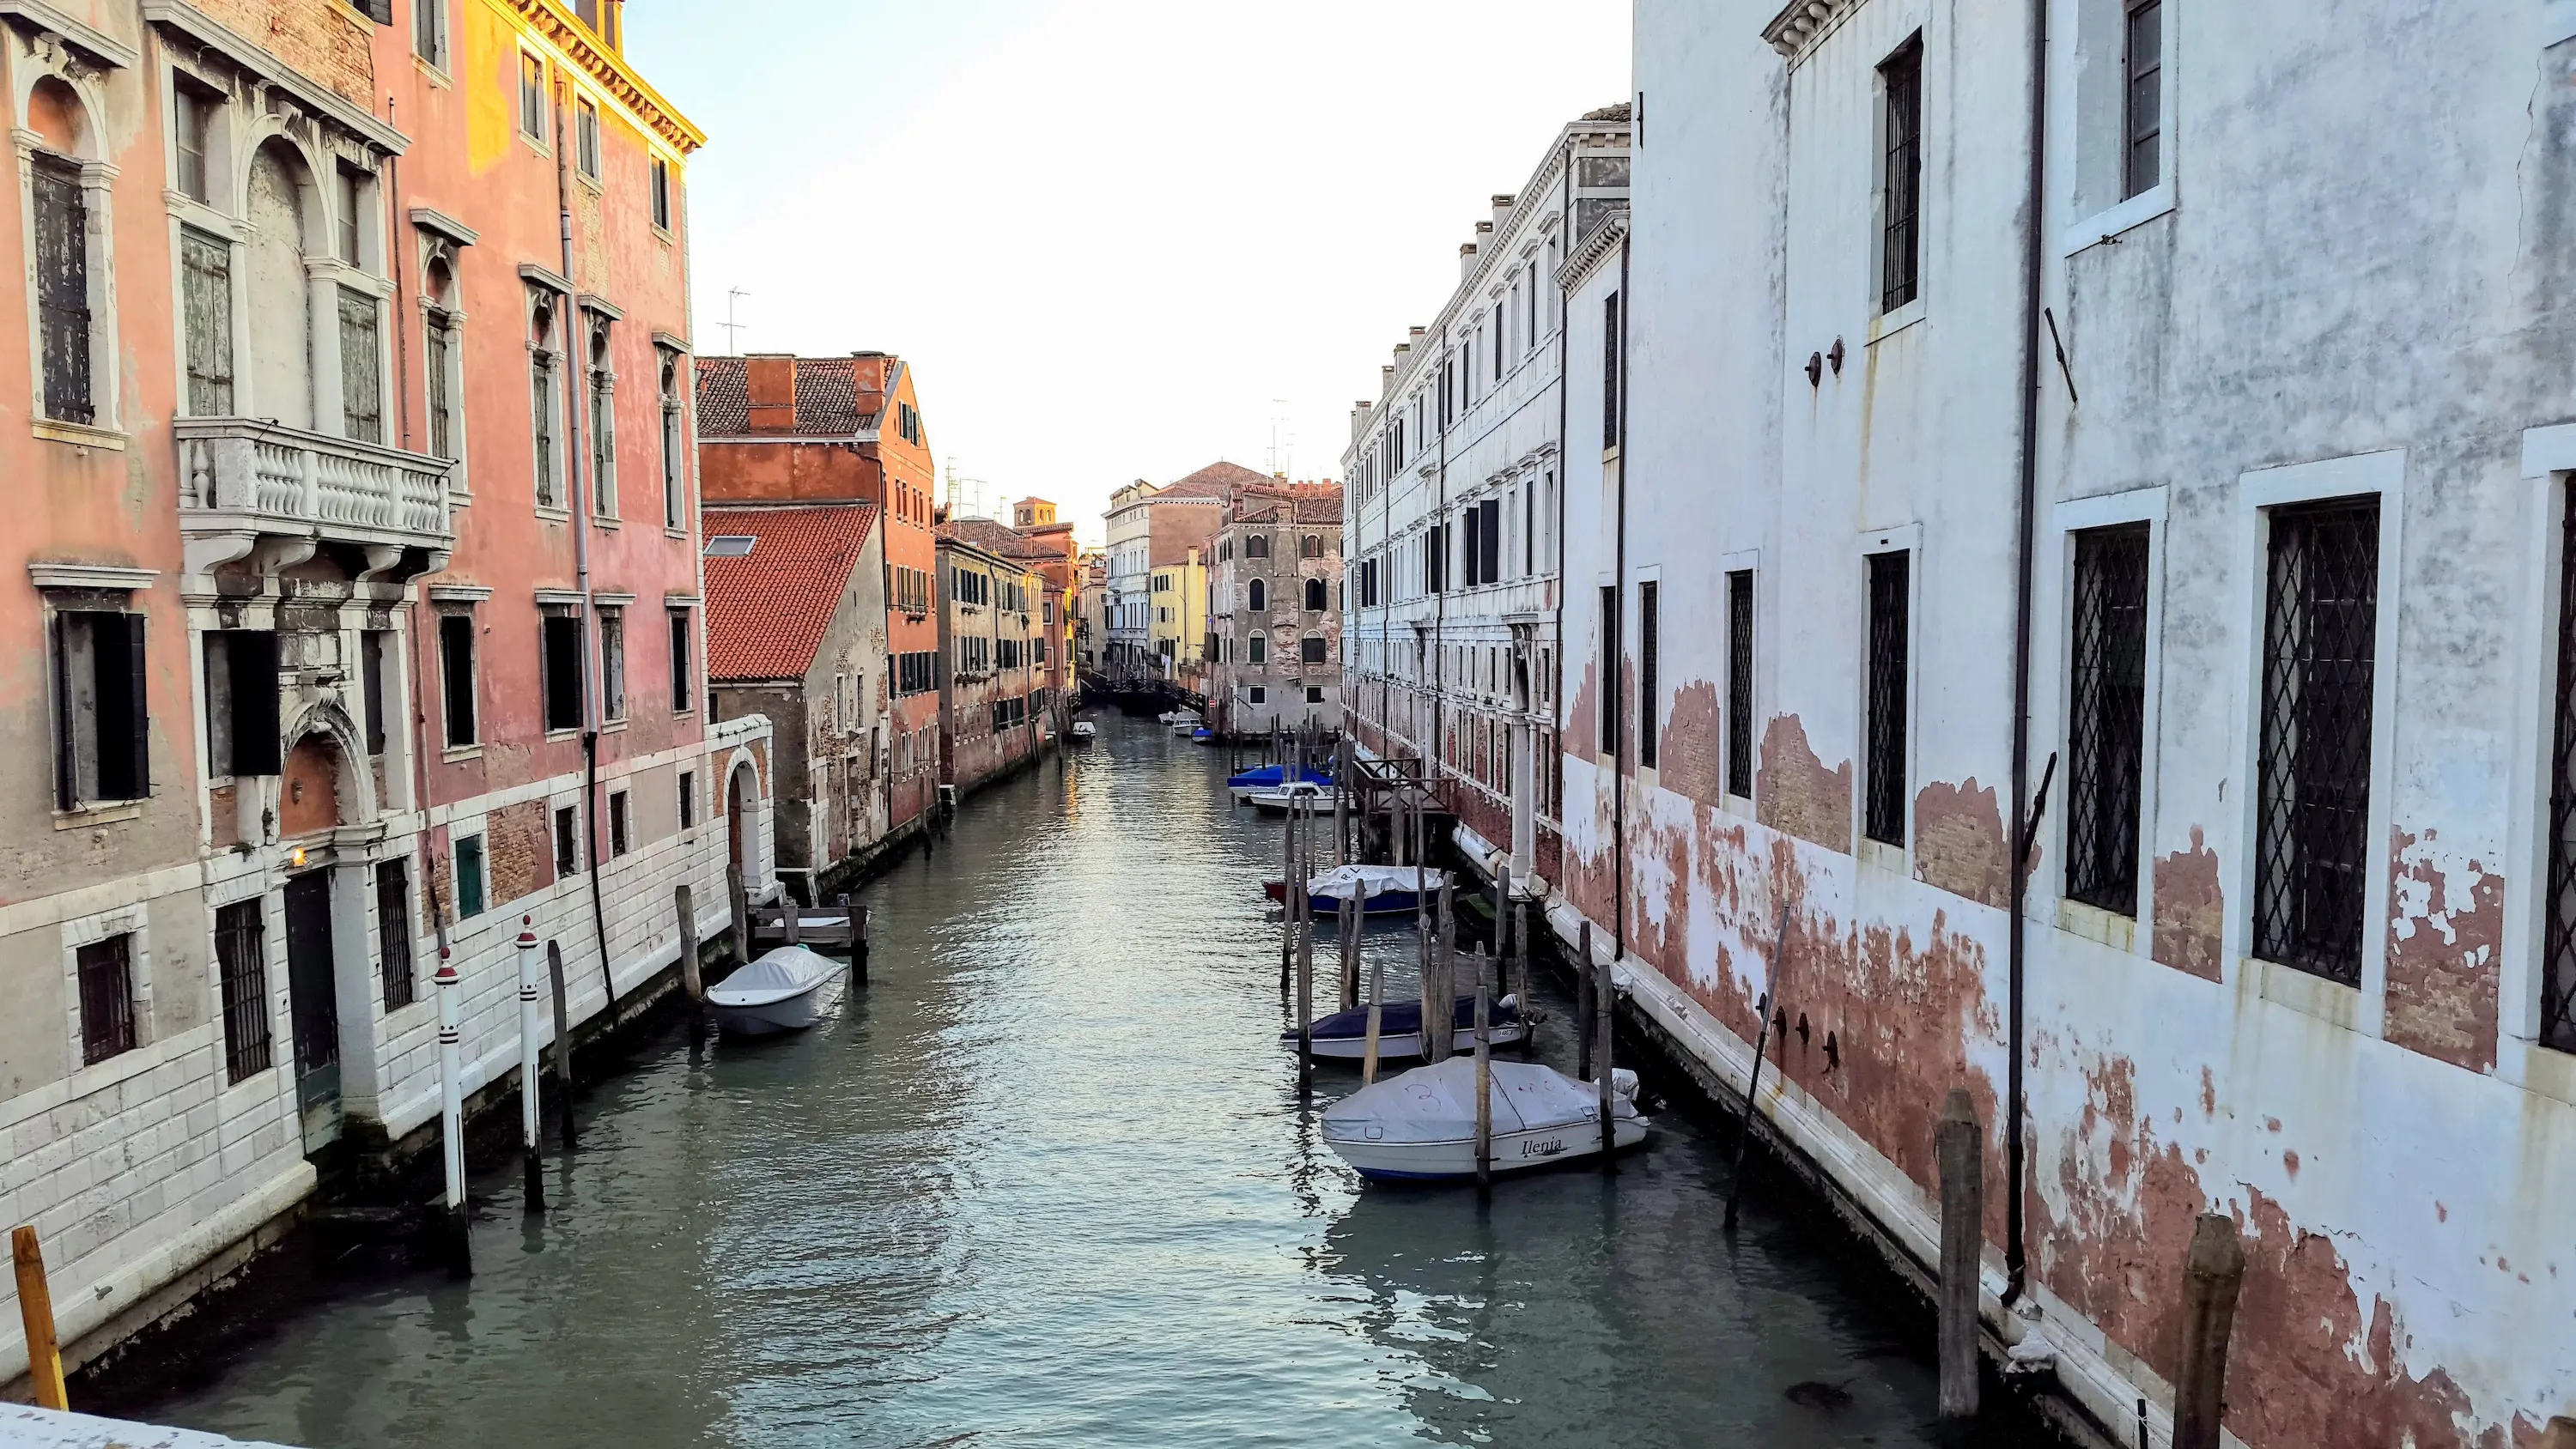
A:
<point x="692" y="978"/>
<point x="1288" y="892"/>
<point x="1753" y="1078"/>
<point x="1605" y="1020"/>
<point x="1959" y="1146"/>
<point x="531" y="1072"/>
<point x="1346" y="936"/>
<point x="1583" y="1001"/>
<point x="1484" y="1079"/>
<point x="855" y="918"/>
<point x="2212" y="1274"/>
<point x="738" y="897"/>
<point x="36" y="1312"/>
<point x="1305" y="987"/>
<point x="563" y="1044"/>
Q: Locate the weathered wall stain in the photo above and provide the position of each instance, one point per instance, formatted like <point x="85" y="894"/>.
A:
<point x="1959" y="842"/>
<point x="1796" y="793"/>
<point x="2190" y="910"/>
<point x="2113" y="1244"/>
<point x="1583" y="727"/>
<point x="2443" y="954"/>
<point x="1687" y="756"/>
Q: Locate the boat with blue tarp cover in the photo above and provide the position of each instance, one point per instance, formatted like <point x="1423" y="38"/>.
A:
<point x="1378" y="890"/>
<point x="1246" y="783"/>
<point x="1343" y="1035"/>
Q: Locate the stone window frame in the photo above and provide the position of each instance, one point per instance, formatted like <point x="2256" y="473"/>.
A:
<point x="2548" y="479"/>
<point x="599" y="319"/>
<point x="2258" y="493"/>
<point x="2089" y="49"/>
<point x="84" y="68"/>
<point x="546" y="325"/>
<point x="672" y="365"/>
<point x="135" y="921"/>
<point x="1907" y="539"/>
<point x="2133" y="935"/>
<point x="439" y="240"/>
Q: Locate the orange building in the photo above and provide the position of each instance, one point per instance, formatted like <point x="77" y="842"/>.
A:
<point x="1059" y="567"/>
<point x="782" y="431"/>
<point x="350" y="591"/>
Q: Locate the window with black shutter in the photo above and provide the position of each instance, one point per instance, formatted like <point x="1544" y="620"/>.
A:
<point x="456" y="676"/>
<point x="393" y="933"/>
<point x="62" y="288"/>
<point x="2558" y="945"/>
<point x="1739" y="683"/>
<point x="1473" y="552"/>
<point x="1311" y="649"/>
<point x="680" y="659"/>
<point x="2312" y="809"/>
<point x="101" y="717"/>
<point x="1890" y="604"/>
<point x="241" y="959"/>
<point x="1901" y="179"/>
<point x="562" y="668"/>
<point x="2106" y="717"/>
<point x="1610" y="372"/>
<point x="106" y="971"/>
<point x="1315" y="596"/>
<point x="241" y="702"/>
<point x="567" y="841"/>
<point x="1609" y="683"/>
<point x="374" y="682"/>
<point x="617" y="823"/>
<point x="1647" y="721"/>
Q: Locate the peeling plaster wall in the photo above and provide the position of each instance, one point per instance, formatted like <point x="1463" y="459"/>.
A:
<point x="2399" y="1157"/>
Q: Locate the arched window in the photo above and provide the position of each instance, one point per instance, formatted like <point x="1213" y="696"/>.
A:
<point x="1257" y="596"/>
<point x="1314" y="596"/>
<point x="674" y="477"/>
<point x="541" y="397"/>
<point x="1256" y="547"/>
<point x="68" y="190"/>
<point x="1312" y="547"/>
<point x="603" y="424"/>
<point x="441" y="358"/>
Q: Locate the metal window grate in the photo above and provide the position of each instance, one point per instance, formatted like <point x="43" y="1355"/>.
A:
<point x="1647" y="712"/>
<point x="393" y="933"/>
<point x="241" y="955"/>
<point x="106" y="997"/>
<point x="2320" y="627"/>
<point x="1739" y="683"/>
<point x="2558" y="952"/>
<point x="1608" y="743"/>
<point x="2106" y="720"/>
<point x="1890" y="577"/>
<point x="1901" y="77"/>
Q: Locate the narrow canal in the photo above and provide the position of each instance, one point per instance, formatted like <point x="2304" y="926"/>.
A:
<point x="1048" y="1181"/>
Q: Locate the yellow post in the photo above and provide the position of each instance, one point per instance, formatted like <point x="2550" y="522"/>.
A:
<point x="36" y="1306"/>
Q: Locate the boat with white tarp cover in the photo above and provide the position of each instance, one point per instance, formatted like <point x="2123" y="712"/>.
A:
<point x="1422" y="1124"/>
<point x="787" y="989"/>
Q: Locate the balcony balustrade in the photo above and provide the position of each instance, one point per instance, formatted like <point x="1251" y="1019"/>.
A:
<point x="260" y="495"/>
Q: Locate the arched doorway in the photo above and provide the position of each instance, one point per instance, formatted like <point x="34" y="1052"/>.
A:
<point x="737" y="807"/>
<point x="281" y="359"/>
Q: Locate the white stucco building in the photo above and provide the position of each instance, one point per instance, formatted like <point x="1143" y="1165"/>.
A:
<point x="1451" y="512"/>
<point x="2296" y="940"/>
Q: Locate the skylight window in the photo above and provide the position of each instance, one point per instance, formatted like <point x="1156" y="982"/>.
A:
<point x="730" y="545"/>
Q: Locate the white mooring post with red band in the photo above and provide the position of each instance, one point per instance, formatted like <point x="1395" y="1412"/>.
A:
<point x="451" y="1119"/>
<point x="531" y="1048"/>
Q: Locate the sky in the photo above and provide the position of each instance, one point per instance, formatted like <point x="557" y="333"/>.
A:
<point x="1118" y="239"/>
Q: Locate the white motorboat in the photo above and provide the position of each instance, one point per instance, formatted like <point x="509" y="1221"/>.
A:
<point x="787" y="989"/>
<point x="1422" y="1124"/>
<point x="1343" y="1036"/>
<point x="1183" y="721"/>
<point x="1084" y="731"/>
<point x="1303" y="793"/>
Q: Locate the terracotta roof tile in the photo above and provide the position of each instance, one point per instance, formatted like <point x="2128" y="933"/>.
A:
<point x="829" y="401"/>
<point x="1217" y="480"/>
<point x="767" y="610"/>
<point x="996" y="538"/>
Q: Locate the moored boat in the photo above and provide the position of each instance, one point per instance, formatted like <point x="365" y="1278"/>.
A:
<point x="1343" y="1036"/>
<point x="1297" y="793"/>
<point x="1421" y="1125"/>
<point x="787" y="989"/>
<point x="1244" y="784"/>
<point x="1084" y="731"/>
<point x="1378" y="890"/>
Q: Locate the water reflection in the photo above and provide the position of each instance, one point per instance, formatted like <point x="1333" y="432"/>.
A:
<point x="1047" y="1180"/>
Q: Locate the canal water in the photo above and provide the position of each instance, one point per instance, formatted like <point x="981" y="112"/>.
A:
<point x="1047" y="1181"/>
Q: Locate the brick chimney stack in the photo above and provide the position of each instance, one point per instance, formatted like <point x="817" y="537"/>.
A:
<point x="769" y="378"/>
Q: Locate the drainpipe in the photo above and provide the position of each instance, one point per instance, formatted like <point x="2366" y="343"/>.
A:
<point x="2016" y="1262"/>
<point x="582" y="502"/>
<point x="1556" y="541"/>
<point x="393" y="256"/>
<point x="1618" y="622"/>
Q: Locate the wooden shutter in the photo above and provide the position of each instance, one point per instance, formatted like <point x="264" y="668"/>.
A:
<point x="62" y="290"/>
<point x="137" y="725"/>
<point x="66" y="744"/>
<point x="251" y="668"/>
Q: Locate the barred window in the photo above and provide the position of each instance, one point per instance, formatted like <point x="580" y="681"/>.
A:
<point x="1608" y="744"/>
<point x="106" y="997"/>
<point x="2320" y="633"/>
<point x="1890" y="604"/>
<point x="241" y="957"/>
<point x="1739" y="683"/>
<point x="2558" y="965"/>
<point x="393" y="932"/>
<point x="1901" y="182"/>
<point x="2106" y="718"/>
<point x="1647" y="713"/>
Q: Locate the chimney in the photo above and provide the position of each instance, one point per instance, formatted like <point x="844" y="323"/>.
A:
<point x="770" y="380"/>
<point x="1467" y="252"/>
<point x="1503" y="201"/>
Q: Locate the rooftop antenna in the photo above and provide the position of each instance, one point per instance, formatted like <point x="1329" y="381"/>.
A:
<point x="733" y="329"/>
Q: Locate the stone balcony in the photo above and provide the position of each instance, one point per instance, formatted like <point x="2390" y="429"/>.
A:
<point x="256" y="497"/>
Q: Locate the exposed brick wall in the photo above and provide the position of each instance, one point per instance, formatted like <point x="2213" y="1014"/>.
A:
<point x="327" y="42"/>
<point x="517" y="853"/>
